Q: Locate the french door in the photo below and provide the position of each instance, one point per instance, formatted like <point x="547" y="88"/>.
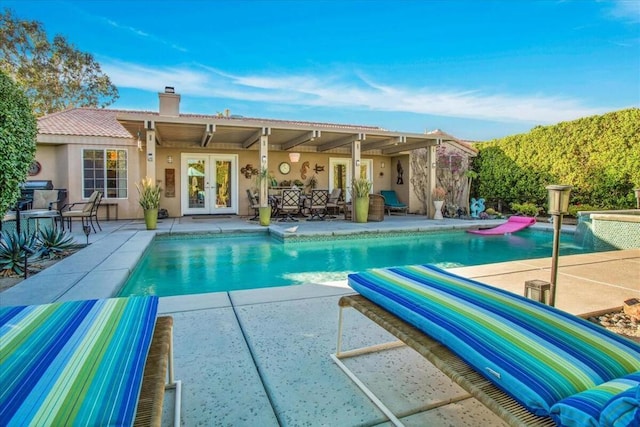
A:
<point x="209" y="184"/>
<point x="341" y="175"/>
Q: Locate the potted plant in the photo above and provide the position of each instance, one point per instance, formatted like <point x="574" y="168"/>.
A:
<point x="360" y="189"/>
<point x="149" y="194"/>
<point x="313" y="182"/>
<point x="438" y="194"/>
<point x="264" y="210"/>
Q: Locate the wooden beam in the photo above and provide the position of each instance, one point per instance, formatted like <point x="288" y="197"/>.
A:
<point x="207" y="135"/>
<point x="158" y="137"/>
<point x="255" y="137"/>
<point x="342" y="141"/>
<point x="378" y="144"/>
<point x="406" y="147"/>
<point x="308" y="136"/>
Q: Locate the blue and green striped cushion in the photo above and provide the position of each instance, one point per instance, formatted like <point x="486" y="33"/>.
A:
<point x="623" y="410"/>
<point x="74" y="363"/>
<point x="536" y="353"/>
<point x="607" y="404"/>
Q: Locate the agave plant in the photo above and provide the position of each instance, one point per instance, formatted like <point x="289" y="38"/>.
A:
<point x="361" y="187"/>
<point x="54" y="242"/>
<point x="13" y="253"/>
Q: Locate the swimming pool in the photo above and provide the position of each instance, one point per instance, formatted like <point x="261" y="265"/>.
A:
<point x="181" y="266"/>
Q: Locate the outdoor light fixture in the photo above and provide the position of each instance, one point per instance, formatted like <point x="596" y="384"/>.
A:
<point x="381" y="165"/>
<point x="358" y="162"/>
<point x="558" y="206"/>
<point x="150" y="157"/>
<point x="87" y="231"/>
<point x="264" y="159"/>
<point x="169" y="159"/>
<point x="294" y="157"/>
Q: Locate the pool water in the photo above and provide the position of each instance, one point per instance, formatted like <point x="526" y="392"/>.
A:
<point x="173" y="266"/>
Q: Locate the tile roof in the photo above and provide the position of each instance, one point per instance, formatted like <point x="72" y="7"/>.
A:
<point x="103" y="122"/>
<point x="83" y="122"/>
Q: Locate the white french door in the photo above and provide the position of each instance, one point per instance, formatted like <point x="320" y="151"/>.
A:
<point x="209" y="184"/>
<point x="341" y="175"/>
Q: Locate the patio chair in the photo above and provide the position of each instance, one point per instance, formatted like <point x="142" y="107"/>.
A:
<point x="253" y="204"/>
<point x="391" y="202"/>
<point x="376" y="208"/>
<point x="87" y="214"/>
<point x="318" y="206"/>
<point x="289" y="204"/>
<point x="46" y="199"/>
<point x="334" y="198"/>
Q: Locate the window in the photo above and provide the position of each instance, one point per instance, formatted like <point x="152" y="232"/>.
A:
<point x="105" y="171"/>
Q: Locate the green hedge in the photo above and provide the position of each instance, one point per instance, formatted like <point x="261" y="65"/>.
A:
<point x="599" y="156"/>
<point x="18" y="130"/>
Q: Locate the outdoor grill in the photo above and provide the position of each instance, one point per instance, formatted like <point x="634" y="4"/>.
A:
<point x="28" y="187"/>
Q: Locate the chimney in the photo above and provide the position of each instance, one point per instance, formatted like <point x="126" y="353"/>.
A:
<point x="169" y="102"/>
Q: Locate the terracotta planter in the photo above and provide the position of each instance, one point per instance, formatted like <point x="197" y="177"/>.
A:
<point x="265" y="215"/>
<point x="438" y="205"/>
<point x="151" y="218"/>
<point x="361" y="209"/>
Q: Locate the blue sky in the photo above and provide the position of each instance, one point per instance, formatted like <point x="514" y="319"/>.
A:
<point x="475" y="69"/>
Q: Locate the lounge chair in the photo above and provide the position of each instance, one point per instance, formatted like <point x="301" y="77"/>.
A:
<point x="87" y="214"/>
<point x="123" y="379"/>
<point x="391" y="202"/>
<point x="526" y="361"/>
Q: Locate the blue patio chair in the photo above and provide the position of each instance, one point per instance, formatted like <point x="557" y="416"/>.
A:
<point x="391" y="202"/>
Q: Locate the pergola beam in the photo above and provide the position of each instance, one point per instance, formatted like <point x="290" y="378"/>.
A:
<point x="342" y="141"/>
<point x="207" y="135"/>
<point x="406" y="147"/>
<point x="255" y="137"/>
<point x="308" y="136"/>
<point x="385" y="142"/>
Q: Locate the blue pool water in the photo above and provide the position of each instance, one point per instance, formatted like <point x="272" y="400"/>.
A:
<point x="212" y="264"/>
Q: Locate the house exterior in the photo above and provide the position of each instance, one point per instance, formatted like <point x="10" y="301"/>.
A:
<point x="205" y="163"/>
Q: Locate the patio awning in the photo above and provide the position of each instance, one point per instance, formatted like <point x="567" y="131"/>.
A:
<point x="239" y="133"/>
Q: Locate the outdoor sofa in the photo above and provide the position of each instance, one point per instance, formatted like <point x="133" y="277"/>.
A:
<point x="530" y="363"/>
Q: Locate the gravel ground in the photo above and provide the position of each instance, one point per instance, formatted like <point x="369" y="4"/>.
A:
<point x="620" y="323"/>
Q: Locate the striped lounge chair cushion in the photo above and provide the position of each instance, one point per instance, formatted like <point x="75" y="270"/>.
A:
<point x="611" y="403"/>
<point x="536" y="353"/>
<point x="74" y="363"/>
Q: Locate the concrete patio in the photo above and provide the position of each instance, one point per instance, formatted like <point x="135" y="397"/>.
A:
<point x="261" y="357"/>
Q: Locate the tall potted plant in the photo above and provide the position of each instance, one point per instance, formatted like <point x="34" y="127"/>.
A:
<point x="438" y="200"/>
<point x="149" y="199"/>
<point x="265" y="209"/>
<point x="360" y="189"/>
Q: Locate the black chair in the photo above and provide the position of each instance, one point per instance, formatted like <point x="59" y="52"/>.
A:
<point x="253" y="204"/>
<point x="289" y="204"/>
<point x="318" y="206"/>
<point x="87" y="213"/>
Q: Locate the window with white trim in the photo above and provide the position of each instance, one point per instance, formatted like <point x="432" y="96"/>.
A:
<point x="106" y="171"/>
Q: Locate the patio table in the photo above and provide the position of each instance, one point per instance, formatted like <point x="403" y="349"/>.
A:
<point x="72" y="363"/>
<point x="39" y="214"/>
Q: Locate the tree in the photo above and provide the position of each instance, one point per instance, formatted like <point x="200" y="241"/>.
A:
<point x="18" y="130"/>
<point x="55" y="74"/>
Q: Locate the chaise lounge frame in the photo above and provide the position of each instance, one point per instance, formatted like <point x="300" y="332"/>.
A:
<point x="499" y="402"/>
<point x="158" y="377"/>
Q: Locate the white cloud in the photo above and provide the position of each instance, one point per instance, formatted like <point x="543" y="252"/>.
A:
<point x="627" y="10"/>
<point x="349" y="91"/>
